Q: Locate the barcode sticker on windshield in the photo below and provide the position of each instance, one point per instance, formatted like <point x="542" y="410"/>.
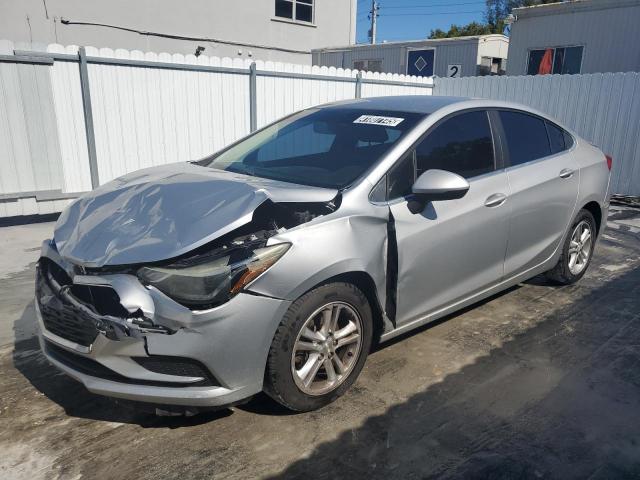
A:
<point x="377" y="120"/>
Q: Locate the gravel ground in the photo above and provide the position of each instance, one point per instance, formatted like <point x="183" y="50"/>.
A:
<point x="538" y="382"/>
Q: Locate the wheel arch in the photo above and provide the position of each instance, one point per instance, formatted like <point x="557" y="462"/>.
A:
<point x="365" y="283"/>
<point x="594" y="209"/>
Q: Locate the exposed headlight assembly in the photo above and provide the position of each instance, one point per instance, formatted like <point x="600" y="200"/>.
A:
<point x="207" y="282"/>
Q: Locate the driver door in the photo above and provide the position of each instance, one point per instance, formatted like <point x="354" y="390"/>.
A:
<point x="450" y="249"/>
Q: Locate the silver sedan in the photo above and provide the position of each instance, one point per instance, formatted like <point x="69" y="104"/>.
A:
<point x="276" y="263"/>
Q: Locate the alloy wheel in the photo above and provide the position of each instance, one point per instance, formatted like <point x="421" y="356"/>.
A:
<point x="580" y="247"/>
<point x="327" y="348"/>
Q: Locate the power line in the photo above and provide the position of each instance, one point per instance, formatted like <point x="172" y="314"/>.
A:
<point x="434" y="5"/>
<point x="427" y="14"/>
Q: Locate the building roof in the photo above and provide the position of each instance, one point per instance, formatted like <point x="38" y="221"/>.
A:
<point x="572" y="6"/>
<point x="425" y="41"/>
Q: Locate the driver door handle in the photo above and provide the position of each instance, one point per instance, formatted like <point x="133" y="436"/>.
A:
<point x="566" y="173"/>
<point x="495" y="200"/>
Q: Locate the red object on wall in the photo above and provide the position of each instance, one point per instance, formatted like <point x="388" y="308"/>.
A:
<point x="546" y="64"/>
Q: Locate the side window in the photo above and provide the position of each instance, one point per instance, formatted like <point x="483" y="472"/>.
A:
<point x="556" y="138"/>
<point x="462" y="145"/>
<point x="526" y="137"/>
<point x="400" y="178"/>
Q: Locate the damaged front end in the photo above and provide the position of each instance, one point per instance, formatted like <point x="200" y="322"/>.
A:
<point x="216" y="272"/>
<point x="167" y="331"/>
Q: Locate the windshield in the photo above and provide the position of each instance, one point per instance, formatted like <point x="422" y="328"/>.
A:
<point x="328" y="147"/>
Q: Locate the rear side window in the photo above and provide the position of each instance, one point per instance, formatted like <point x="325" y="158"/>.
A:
<point x="526" y="137"/>
<point x="461" y="144"/>
<point x="556" y="138"/>
<point x="568" y="140"/>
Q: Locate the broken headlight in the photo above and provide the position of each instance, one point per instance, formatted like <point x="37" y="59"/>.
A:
<point x="207" y="282"/>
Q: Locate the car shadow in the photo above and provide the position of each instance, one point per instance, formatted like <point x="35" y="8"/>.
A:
<point x="559" y="400"/>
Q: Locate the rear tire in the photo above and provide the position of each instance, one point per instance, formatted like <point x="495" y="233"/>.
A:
<point x="320" y="347"/>
<point x="576" y="251"/>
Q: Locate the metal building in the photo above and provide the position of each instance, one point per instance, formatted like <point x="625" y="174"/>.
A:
<point x="447" y="57"/>
<point x="584" y="36"/>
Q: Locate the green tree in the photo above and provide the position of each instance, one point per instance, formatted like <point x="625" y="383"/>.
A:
<point x="495" y="13"/>
<point x="473" y="28"/>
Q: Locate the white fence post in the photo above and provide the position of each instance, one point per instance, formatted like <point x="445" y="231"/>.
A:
<point x="88" y="117"/>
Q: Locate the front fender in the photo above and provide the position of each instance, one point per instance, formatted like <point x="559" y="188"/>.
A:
<point x="326" y="249"/>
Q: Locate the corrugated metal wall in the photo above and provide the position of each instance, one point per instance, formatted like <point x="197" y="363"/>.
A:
<point x="144" y="116"/>
<point x="602" y="108"/>
<point x="610" y="36"/>
<point x="30" y="156"/>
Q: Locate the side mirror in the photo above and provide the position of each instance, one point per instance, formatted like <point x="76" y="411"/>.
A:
<point x="434" y="185"/>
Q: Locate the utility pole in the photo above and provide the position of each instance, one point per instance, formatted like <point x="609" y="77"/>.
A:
<point x="373" y="15"/>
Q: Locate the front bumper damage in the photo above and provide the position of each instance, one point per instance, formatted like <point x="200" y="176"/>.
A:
<point x="146" y="347"/>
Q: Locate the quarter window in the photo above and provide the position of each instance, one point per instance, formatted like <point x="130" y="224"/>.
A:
<point x="300" y="10"/>
<point x="556" y="138"/>
<point x="461" y="145"/>
<point x="526" y="137"/>
<point x="401" y="177"/>
<point x="563" y="60"/>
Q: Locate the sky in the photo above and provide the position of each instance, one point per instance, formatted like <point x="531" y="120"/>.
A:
<point x="414" y="19"/>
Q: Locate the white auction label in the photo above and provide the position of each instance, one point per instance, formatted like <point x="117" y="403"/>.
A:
<point x="378" y="120"/>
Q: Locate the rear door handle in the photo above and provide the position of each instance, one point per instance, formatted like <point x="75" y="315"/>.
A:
<point x="566" y="173"/>
<point x="495" y="200"/>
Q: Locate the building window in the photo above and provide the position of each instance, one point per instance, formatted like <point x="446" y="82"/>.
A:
<point x="368" y="65"/>
<point x="299" y="10"/>
<point x="563" y="60"/>
<point x="492" y="66"/>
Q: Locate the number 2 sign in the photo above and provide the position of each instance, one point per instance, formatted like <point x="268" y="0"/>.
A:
<point x="454" y="70"/>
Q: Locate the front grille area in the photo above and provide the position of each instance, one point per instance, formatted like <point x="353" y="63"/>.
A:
<point x="179" y="366"/>
<point x="92" y="368"/>
<point x="60" y="316"/>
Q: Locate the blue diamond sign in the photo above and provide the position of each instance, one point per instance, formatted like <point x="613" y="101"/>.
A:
<point x="420" y="62"/>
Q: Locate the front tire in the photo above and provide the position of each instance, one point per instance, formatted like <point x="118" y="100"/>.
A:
<point x="320" y="347"/>
<point x="576" y="251"/>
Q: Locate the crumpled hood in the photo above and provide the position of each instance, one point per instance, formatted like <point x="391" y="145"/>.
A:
<point x="163" y="212"/>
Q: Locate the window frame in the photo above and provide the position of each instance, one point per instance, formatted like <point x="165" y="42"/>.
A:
<point x="293" y="18"/>
<point x="498" y="159"/>
<point x="553" y="60"/>
<point x="504" y="147"/>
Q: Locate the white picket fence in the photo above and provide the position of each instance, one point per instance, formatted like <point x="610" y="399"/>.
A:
<point x="147" y="109"/>
<point x="603" y="108"/>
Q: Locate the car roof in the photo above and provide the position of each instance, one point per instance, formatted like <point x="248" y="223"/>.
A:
<point x="424" y="104"/>
<point x="428" y="104"/>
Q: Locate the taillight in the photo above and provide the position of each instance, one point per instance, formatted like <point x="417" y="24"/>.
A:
<point x="609" y="161"/>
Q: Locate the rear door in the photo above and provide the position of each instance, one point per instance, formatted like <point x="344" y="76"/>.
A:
<point x="543" y="178"/>
<point x="452" y="248"/>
